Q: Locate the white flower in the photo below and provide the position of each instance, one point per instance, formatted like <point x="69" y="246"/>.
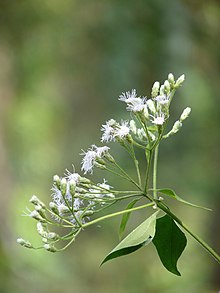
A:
<point x="162" y="99"/>
<point x="128" y="95"/>
<point x="108" y="130"/>
<point x="90" y="157"/>
<point x="122" y="131"/>
<point x="158" y="119"/>
<point x="72" y="176"/>
<point x="88" y="161"/>
<point x="101" y="151"/>
<point x="134" y="103"/>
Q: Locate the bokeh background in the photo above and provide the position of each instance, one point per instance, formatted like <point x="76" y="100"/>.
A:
<point x="62" y="66"/>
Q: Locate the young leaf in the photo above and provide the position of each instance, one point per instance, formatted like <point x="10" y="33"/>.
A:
<point x="170" y="242"/>
<point x="172" y="193"/>
<point x="138" y="238"/>
<point x="126" y="217"/>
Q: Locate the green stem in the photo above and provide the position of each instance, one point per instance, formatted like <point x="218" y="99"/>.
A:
<point x="201" y="242"/>
<point x="148" y="169"/>
<point x="155" y="171"/>
<point x="117" y="214"/>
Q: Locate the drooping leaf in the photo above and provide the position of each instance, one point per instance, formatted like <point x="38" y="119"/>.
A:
<point x="126" y="217"/>
<point x="170" y="242"/>
<point x="172" y="194"/>
<point x="139" y="237"/>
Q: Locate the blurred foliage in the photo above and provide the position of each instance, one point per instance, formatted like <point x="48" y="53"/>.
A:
<point x="63" y="65"/>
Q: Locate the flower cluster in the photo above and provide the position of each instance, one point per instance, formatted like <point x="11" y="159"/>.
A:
<point x="75" y="198"/>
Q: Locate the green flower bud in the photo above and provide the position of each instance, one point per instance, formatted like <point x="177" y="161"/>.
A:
<point x="72" y="185"/>
<point x="50" y="248"/>
<point x="179" y="81"/>
<point x="185" y="114"/>
<point x="63" y="187"/>
<point x="24" y="243"/>
<point x="171" y="79"/>
<point x="151" y="106"/>
<point x="35" y="215"/>
<point x="54" y="208"/>
<point x="155" y="89"/>
<point x="35" y="200"/>
<point x="57" y="181"/>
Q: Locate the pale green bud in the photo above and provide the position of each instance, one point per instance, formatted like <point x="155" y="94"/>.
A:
<point x="40" y="229"/>
<point x="180" y="80"/>
<point x="84" y="180"/>
<point x="63" y="186"/>
<point x="35" y="200"/>
<point x="167" y="86"/>
<point x="162" y="90"/>
<point x="35" y="215"/>
<point x="133" y="126"/>
<point x="185" y="114"/>
<point x="72" y="185"/>
<point x="24" y="243"/>
<point x="151" y="106"/>
<point x="54" y="208"/>
<point x="57" y="181"/>
<point x="176" y="127"/>
<point x="155" y="89"/>
<point x="52" y="236"/>
<point x="129" y="138"/>
<point x="50" y="248"/>
<point x="109" y="158"/>
<point x="171" y="79"/>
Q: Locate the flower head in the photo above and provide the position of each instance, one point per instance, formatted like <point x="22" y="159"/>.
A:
<point x="158" y="119"/>
<point x="90" y="157"/>
<point x="162" y="99"/>
<point x="108" y="130"/>
<point x="134" y="103"/>
<point x="122" y="130"/>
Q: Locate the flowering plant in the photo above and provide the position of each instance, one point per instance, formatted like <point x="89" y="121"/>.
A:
<point x="77" y="201"/>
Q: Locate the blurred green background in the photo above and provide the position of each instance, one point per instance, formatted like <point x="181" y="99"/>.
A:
<point x="62" y="66"/>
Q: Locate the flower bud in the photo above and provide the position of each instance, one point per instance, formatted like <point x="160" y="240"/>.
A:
<point x="133" y="126"/>
<point x="40" y="229"/>
<point x="176" y="127"/>
<point x="63" y="186"/>
<point x="57" y="181"/>
<point x="24" y="243"/>
<point x="50" y="248"/>
<point x="35" y="215"/>
<point x="52" y="236"/>
<point x="54" y="208"/>
<point x="155" y="89"/>
<point x="72" y="185"/>
<point x="180" y="80"/>
<point x="151" y="106"/>
<point x="84" y="180"/>
<point x="109" y="158"/>
<point x="167" y="86"/>
<point x="185" y="114"/>
<point x="129" y="138"/>
<point x="162" y="90"/>
<point x="171" y="79"/>
<point x="35" y="200"/>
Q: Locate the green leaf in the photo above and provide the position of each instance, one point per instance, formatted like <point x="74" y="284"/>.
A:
<point x="138" y="238"/>
<point x="126" y="217"/>
<point x="170" y="242"/>
<point x="172" y="193"/>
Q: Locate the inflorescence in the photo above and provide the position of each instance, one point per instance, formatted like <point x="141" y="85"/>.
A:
<point x="75" y="199"/>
